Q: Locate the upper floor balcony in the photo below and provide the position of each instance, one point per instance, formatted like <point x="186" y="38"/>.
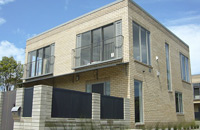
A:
<point x="39" y="67"/>
<point x="98" y="52"/>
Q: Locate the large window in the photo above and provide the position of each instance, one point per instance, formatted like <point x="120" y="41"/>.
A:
<point x="101" y="44"/>
<point x="141" y="44"/>
<point x="102" y="88"/>
<point x="179" y="102"/>
<point x="138" y="101"/>
<point x="40" y="61"/>
<point x="168" y="67"/>
<point x="184" y="68"/>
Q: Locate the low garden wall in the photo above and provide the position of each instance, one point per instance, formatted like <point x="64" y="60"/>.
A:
<point x="47" y="108"/>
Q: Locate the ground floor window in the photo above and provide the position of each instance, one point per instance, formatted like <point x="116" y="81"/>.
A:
<point x="102" y="88"/>
<point x="138" y="101"/>
<point x="179" y="103"/>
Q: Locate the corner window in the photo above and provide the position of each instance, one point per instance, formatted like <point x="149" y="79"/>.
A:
<point x="184" y="68"/>
<point x="141" y="44"/>
<point x="179" y="103"/>
<point x="138" y="101"/>
<point x="168" y="67"/>
<point x="101" y="88"/>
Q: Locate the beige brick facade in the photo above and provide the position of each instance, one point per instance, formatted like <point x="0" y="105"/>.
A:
<point x="196" y="101"/>
<point x="158" y="102"/>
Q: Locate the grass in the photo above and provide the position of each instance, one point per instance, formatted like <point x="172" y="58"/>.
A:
<point x="96" y="125"/>
<point x="85" y="125"/>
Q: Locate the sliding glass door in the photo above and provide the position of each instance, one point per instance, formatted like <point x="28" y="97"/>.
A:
<point x="85" y="48"/>
<point x="109" y="46"/>
<point x="101" y="44"/>
<point x="96" y="45"/>
<point x="47" y="60"/>
<point x="40" y="61"/>
<point x="31" y="63"/>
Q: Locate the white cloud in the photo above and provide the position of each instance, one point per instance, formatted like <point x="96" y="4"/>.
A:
<point x="66" y="4"/>
<point x="28" y="36"/>
<point x="9" y="49"/>
<point x="191" y="12"/>
<point x="23" y="34"/>
<point x="3" y="2"/>
<point x="2" y="21"/>
<point x="185" y="20"/>
<point x="190" y="33"/>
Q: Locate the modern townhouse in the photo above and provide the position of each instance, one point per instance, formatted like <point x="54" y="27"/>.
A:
<point x="196" y="88"/>
<point x="121" y="51"/>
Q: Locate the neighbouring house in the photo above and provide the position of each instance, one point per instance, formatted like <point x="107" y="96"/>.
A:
<point x="117" y="51"/>
<point x="196" y="87"/>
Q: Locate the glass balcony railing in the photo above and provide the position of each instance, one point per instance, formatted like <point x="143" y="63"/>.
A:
<point x="39" y="67"/>
<point x="94" y="53"/>
<point x="197" y="96"/>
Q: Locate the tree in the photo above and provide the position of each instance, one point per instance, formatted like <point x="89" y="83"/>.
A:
<point x="11" y="73"/>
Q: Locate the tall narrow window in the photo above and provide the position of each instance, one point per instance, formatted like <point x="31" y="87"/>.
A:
<point x="31" y="64"/>
<point x="39" y="62"/>
<point x="168" y="67"/>
<point x="141" y="44"/>
<point x="47" y="60"/>
<point x="85" y="48"/>
<point x="179" y="103"/>
<point x="138" y="101"/>
<point x="184" y="68"/>
<point x="96" y="44"/>
<point x="109" y="45"/>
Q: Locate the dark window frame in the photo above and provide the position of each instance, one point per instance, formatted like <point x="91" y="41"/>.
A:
<point x="168" y="67"/>
<point x="102" y="41"/>
<point x="186" y="68"/>
<point x="36" y="60"/>
<point x="179" y="109"/>
<point x="141" y="107"/>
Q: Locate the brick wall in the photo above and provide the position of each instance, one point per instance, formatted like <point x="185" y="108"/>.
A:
<point x="158" y="102"/>
<point x="41" y="113"/>
<point x="196" y="78"/>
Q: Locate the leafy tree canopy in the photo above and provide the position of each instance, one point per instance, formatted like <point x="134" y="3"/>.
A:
<point x="11" y="73"/>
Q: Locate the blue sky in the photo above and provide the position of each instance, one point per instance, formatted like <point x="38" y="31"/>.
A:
<point x="22" y="19"/>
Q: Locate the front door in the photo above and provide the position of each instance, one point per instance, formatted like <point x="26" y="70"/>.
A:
<point x="98" y="88"/>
